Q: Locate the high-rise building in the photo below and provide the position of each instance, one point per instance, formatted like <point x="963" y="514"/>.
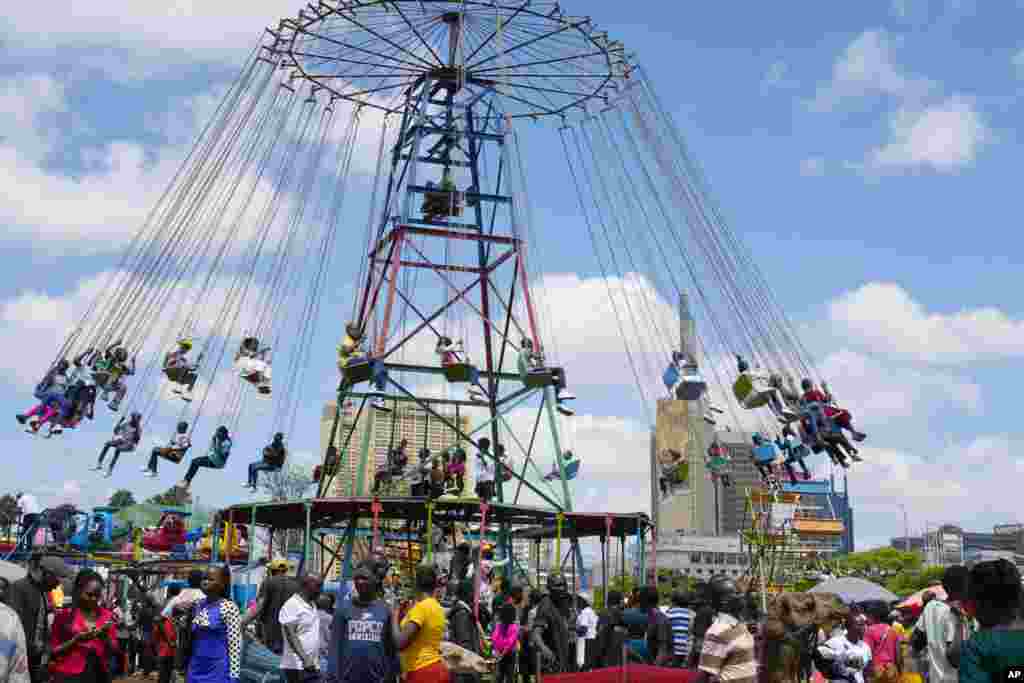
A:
<point x="381" y="431"/>
<point x="731" y="502"/>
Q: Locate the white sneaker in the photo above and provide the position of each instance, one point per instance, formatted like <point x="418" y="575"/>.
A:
<point x="150" y="473"/>
<point x="186" y="396"/>
<point x="380" y="404"/>
<point x="144" y="470"/>
<point x="56" y="429"/>
<point x="709" y="418"/>
<point x="565" y="395"/>
<point x="108" y="474"/>
<point x="176" y="389"/>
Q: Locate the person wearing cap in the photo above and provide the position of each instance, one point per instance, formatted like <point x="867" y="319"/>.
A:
<point x="363" y="648"/>
<point x="28" y="598"/>
<point x="274" y="592"/>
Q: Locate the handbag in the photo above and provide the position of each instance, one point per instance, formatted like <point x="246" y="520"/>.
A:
<point x="918" y="640"/>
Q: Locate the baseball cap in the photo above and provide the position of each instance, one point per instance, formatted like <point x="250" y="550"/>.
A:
<point x="55" y="566"/>
<point x="279" y="564"/>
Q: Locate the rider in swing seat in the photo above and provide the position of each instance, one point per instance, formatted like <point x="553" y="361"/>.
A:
<point x="394" y="466"/>
<point x="455" y="470"/>
<point x="571" y="465"/>
<point x="273" y="459"/>
<point x="54" y="405"/>
<point x="119" y="368"/>
<point x="127" y="434"/>
<point x="753" y="389"/>
<point x="350" y="348"/>
<point x="532" y="360"/>
<point x="765" y="456"/>
<point x="671" y="376"/>
<point x="174" y="451"/>
<point x="440" y="201"/>
<point x="717" y="462"/>
<point x="216" y="458"/>
<point x="252" y="364"/>
<point x="180" y="371"/>
<point x="793" y="452"/>
<point x="103" y="364"/>
<point x="452" y="353"/>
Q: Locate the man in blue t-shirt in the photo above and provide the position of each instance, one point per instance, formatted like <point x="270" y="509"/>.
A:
<point x="363" y="649"/>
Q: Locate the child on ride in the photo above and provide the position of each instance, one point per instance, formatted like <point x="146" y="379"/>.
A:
<point x="174" y="451"/>
<point x="181" y="371"/>
<point x="52" y="395"/>
<point x="273" y="459"/>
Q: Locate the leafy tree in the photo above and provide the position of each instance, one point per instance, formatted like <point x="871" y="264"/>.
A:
<point x="167" y="498"/>
<point x="121" y="498"/>
<point x="10" y="512"/>
<point x="290" y="483"/>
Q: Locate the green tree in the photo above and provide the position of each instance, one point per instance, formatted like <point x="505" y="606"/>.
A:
<point x="167" y="498"/>
<point x="292" y="482"/>
<point x="10" y="512"/>
<point x="122" y="498"/>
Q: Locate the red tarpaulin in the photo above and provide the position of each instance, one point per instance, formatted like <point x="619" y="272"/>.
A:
<point x="635" y="674"/>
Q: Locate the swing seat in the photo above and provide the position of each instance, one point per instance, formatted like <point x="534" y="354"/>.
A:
<point x="101" y="377"/>
<point x="357" y="371"/>
<point x="175" y="455"/>
<point x="461" y="372"/>
<point x="797" y="453"/>
<point x="180" y="375"/>
<point x="538" y="378"/>
<point x="692" y="387"/>
<point x="766" y="454"/>
<point x="717" y="463"/>
<point x="442" y="203"/>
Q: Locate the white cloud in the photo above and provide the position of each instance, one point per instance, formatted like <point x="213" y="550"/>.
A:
<point x="940" y="489"/>
<point x="867" y="68"/>
<point x="944" y="137"/>
<point x="213" y="29"/>
<point x="812" y="167"/>
<point x="884" y="318"/>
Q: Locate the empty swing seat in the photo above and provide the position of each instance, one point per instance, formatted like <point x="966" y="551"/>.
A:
<point x="461" y="372"/>
<point x="692" y="386"/>
<point x="357" y="371"/>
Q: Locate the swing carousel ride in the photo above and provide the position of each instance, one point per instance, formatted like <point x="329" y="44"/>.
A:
<point x="226" y="291"/>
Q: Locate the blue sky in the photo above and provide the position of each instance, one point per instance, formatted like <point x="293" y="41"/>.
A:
<point x="865" y="152"/>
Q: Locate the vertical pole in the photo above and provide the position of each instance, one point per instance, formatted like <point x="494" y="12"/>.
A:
<point x="393" y="267"/>
<point x="479" y="561"/>
<point x="359" y="482"/>
<point x="305" y="541"/>
<point x="642" y="573"/>
<point x="414" y="153"/>
<point x="215" y="538"/>
<point x="252" y="535"/>
<point x="350" y="541"/>
<point x="430" y="532"/>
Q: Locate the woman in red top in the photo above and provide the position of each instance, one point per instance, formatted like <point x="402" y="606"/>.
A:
<point x="84" y="637"/>
<point x="165" y="638"/>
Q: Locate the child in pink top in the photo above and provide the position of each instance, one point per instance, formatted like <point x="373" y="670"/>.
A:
<point x="504" y="643"/>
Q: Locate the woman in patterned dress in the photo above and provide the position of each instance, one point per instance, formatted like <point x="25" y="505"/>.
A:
<point x="216" y="633"/>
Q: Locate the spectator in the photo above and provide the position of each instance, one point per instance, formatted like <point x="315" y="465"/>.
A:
<point x="727" y="652"/>
<point x="363" y="647"/>
<point x="28" y="598"/>
<point x="419" y="635"/>
<point x="147" y="618"/>
<point x="183" y="598"/>
<point x="13" y="659"/>
<point x="659" y="631"/>
<point x="587" y="623"/>
<point x="126" y="615"/>
<point x="611" y="633"/>
<point x="995" y="590"/>
<point x="505" y="640"/>
<point x="846" y="652"/>
<point x="165" y="644"/>
<point x="464" y="628"/>
<point x="704" y="615"/>
<point x="884" y="642"/>
<point x="84" y="637"/>
<point x="216" y="648"/>
<point x="940" y="625"/>
<point x="325" y="613"/>
<point x="274" y="592"/>
<point x="5" y="588"/>
<point x="680" y="617"/>
<point x="300" y="624"/>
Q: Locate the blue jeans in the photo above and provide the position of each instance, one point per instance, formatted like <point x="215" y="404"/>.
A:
<point x="259" y="466"/>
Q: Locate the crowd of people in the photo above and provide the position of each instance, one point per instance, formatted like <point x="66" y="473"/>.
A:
<point x="365" y="634"/>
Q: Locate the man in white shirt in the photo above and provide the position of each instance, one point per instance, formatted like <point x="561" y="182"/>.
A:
<point x="485" y="471"/>
<point x="587" y="619"/>
<point x="301" y="625"/>
<point x="940" y="626"/>
<point x="847" y="651"/>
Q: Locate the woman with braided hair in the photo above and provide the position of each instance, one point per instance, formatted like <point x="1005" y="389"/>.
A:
<point x="994" y="590"/>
